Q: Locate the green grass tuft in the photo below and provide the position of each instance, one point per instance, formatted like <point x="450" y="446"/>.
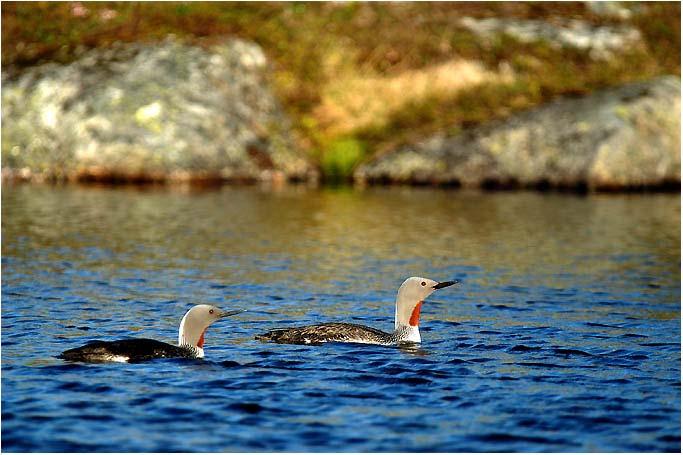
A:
<point x="340" y="158"/>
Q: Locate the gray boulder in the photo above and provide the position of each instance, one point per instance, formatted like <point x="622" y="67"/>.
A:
<point x="149" y="112"/>
<point x="601" y="42"/>
<point x="623" y="138"/>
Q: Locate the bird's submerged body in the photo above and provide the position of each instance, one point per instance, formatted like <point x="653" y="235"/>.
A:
<point x="190" y="342"/>
<point x="409" y="301"/>
<point x="129" y="350"/>
<point x="330" y="332"/>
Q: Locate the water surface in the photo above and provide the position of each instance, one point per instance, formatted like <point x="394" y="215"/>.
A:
<point x="564" y="335"/>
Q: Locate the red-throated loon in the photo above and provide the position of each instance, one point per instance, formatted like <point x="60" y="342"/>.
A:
<point x="409" y="301"/>
<point x="190" y="341"/>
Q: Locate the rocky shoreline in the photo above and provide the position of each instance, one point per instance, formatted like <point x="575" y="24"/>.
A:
<point x="626" y="138"/>
<point x="149" y="113"/>
<point x="170" y="112"/>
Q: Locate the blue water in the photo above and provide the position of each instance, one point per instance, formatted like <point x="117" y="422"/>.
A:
<point x="563" y="336"/>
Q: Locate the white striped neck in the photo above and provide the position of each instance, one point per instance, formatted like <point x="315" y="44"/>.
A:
<point x="196" y="351"/>
<point x="407" y="333"/>
<point x="193" y="327"/>
<point x="409" y="300"/>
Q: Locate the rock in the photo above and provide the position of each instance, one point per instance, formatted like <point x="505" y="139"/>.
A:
<point x="165" y="111"/>
<point x="601" y="42"/>
<point x="609" y="9"/>
<point x="623" y="138"/>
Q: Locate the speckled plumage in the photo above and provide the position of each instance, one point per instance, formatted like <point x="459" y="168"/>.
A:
<point x="409" y="299"/>
<point x="330" y="332"/>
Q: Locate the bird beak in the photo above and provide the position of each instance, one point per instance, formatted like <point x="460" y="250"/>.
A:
<point x="225" y="314"/>
<point x="445" y="284"/>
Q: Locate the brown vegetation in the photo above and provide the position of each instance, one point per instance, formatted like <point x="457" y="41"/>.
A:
<point x="364" y="76"/>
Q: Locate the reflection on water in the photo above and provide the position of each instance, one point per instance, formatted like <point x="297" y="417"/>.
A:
<point x="515" y="233"/>
<point x="564" y="335"/>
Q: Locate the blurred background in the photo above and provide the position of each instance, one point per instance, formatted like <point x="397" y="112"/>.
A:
<point x="354" y="80"/>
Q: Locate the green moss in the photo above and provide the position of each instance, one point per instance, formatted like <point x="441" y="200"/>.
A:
<point x="340" y="158"/>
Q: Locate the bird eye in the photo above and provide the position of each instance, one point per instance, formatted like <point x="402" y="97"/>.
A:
<point x="424" y="284"/>
<point x="211" y="311"/>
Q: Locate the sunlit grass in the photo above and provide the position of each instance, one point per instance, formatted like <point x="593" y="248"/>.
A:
<point x="370" y="74"/>
<point x="340" y="158"/>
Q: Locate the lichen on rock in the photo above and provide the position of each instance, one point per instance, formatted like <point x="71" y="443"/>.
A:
<point x="150" y="111"/>
<point x="601" y="42"/>
<point x="622" y="138"/>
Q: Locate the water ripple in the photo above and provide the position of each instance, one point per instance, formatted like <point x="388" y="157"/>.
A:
<point x="564" y="335"/>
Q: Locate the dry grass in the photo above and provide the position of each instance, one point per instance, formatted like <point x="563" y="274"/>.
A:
<point x="353" y="102"/>
<point x="358" y="78"/>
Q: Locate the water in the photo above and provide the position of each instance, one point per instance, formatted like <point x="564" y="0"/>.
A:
<point x="564" y="335"/>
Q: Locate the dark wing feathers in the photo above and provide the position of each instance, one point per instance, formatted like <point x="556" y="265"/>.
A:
<point x="322" y="333"/>
<point x="134" y="349"/>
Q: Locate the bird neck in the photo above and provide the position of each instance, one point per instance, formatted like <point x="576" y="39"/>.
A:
<point x="195" y="351"/>
<point x="407" y="319"/>
<point x="191" y="334"/>
<point x="407" y="333"/>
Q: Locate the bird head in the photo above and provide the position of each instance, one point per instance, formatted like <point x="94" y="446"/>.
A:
<point x="195" y="322"/>
<point x="411" y="295"/>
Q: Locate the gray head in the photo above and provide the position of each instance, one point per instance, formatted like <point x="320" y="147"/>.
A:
<point x="196" y="321"/>
<point x="411" y="295"/>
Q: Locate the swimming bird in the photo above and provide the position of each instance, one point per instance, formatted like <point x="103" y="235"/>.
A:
<point x="411" y="295"/>
<point x="190" y="341"/>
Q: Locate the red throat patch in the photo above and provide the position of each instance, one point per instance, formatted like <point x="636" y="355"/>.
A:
<point x="415" y="316"/>
<point x="200" y="343"/>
